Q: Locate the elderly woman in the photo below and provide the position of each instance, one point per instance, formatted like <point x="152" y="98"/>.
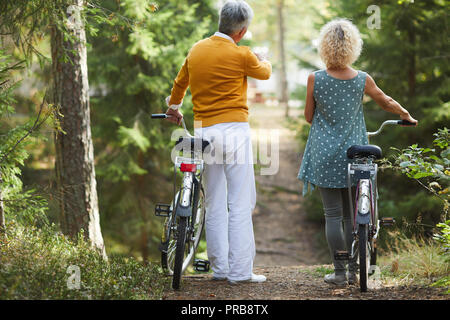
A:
<point x="216" y="70"/>
<point x="334" y="108"/>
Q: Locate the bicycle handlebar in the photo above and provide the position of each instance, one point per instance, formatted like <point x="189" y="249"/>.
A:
<point x="405" y="123"/>
<point x="393" y="122"/>
<point x="159" y="116"/>
<point x="165" y="116"/>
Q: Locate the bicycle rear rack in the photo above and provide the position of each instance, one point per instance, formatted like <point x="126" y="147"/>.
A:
<point x="162" y="210"/>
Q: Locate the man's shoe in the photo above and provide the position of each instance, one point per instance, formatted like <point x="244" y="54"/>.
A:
<point x="339" y="280"/>
<point x="256" y="278"/>
<point x="217" y="278"/>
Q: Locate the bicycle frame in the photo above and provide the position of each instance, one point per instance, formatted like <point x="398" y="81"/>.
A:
<point x="191" y="176"/>
<point x="365" y="211"/>
<point x="366" y="174"/>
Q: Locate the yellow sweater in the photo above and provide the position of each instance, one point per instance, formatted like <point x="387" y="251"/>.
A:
<point x="216" y="70"/>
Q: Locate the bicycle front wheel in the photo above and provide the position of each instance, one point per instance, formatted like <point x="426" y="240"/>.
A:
<point x="364" y="256"/>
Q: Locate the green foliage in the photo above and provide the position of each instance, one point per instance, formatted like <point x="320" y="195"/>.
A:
<point x="35" y="266"/>
<point x="418" y="162"/>
<point x="133" y="60"/>
<point x="135" y="49"/>
<point x="431" y="168"/>
<point x="408" y="59"/>
<point x="23" y="206"/>
<point x="411" y="260"/>
<point x="444" y="236"/>
<point x="430" y="165"/>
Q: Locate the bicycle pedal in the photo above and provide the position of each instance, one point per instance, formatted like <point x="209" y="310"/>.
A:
<point x="162" y="210"/>
<point x="201" y="265"/>
<point x="163" y="247"/>
<point x="385" y="222"/>
<point x="341" y="255"/>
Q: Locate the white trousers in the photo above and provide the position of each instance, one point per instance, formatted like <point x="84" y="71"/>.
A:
<point x="230" y="197"/>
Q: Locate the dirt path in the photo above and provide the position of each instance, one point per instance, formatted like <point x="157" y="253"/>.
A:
<point x="283" y="236"/>
<point x="286" y="251"/>
<point x="294" y="283"/>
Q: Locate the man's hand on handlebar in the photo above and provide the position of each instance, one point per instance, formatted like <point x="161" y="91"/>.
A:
<point x="175" y="116"/>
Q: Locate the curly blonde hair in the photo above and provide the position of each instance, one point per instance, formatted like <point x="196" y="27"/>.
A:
<point x="340" y="44"/>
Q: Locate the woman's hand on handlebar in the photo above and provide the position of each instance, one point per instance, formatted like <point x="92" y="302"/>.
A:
<point x="175" y="116"/>
<point x="407" y="117"/>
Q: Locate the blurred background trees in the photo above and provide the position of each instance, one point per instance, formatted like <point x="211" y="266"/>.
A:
<point x="131" y="69"/>
<point x="408" y="56"/>
<point x="134" y="51"/>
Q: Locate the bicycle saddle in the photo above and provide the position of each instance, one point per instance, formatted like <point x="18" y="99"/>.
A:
<point x="364" y="151"/>
<point x="196" y="144"/>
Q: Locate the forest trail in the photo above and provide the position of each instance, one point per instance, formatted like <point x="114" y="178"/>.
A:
<point x="286" y="243"/>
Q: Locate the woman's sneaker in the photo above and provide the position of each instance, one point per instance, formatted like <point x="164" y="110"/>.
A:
<point x="339" y="280"/>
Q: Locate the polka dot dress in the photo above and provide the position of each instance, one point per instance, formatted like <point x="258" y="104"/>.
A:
<point x="338" y="123"/>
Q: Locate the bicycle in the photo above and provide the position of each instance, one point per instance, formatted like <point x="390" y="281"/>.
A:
<point x="185" y="216"/>
<point x="366" y="221"/>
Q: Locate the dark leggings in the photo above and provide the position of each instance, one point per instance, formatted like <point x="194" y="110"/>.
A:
<point x="338" y="224"/>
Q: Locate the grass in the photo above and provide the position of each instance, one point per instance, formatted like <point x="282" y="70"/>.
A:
<point x="415" y="261"/>
<point x="322" y="271"/>
<point x="408" y="261"/>
<point x="35" y="265"/>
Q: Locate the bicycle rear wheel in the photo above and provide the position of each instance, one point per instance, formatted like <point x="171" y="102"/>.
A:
<point x="373" y="259"/>
<point x="179" y="252"/>
<point x="168" y="241"/>
<point x="195" y="225"/>
<point x="364" y="256"/>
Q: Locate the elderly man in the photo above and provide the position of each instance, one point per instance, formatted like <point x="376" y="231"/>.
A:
<point x="216" y="70"/>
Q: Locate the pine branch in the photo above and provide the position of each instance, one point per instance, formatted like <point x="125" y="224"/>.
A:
<point x="35" y="126"/>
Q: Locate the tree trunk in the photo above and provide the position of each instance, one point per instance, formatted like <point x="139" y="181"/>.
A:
<point x="284" y="98"/>
<point x="75" y="172"/>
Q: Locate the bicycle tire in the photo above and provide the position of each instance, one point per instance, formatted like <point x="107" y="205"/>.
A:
<point x="164" y="239"/>
<point x="373" y="257"/>
<point x="363" y="257"/>
<point x="196" y="225"/>
<point x="168" y="255"/>
<point x="179" y="252"/>
<point x="199" y="223"/>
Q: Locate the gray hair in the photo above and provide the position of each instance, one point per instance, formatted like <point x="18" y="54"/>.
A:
<point x="234" y="16"/>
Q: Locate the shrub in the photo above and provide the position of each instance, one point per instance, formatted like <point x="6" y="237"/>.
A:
<point x="35" y="265"/>
<point x="430" y="167"/>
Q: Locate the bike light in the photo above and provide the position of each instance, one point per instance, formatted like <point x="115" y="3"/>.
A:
<point x="188" y="167"/>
